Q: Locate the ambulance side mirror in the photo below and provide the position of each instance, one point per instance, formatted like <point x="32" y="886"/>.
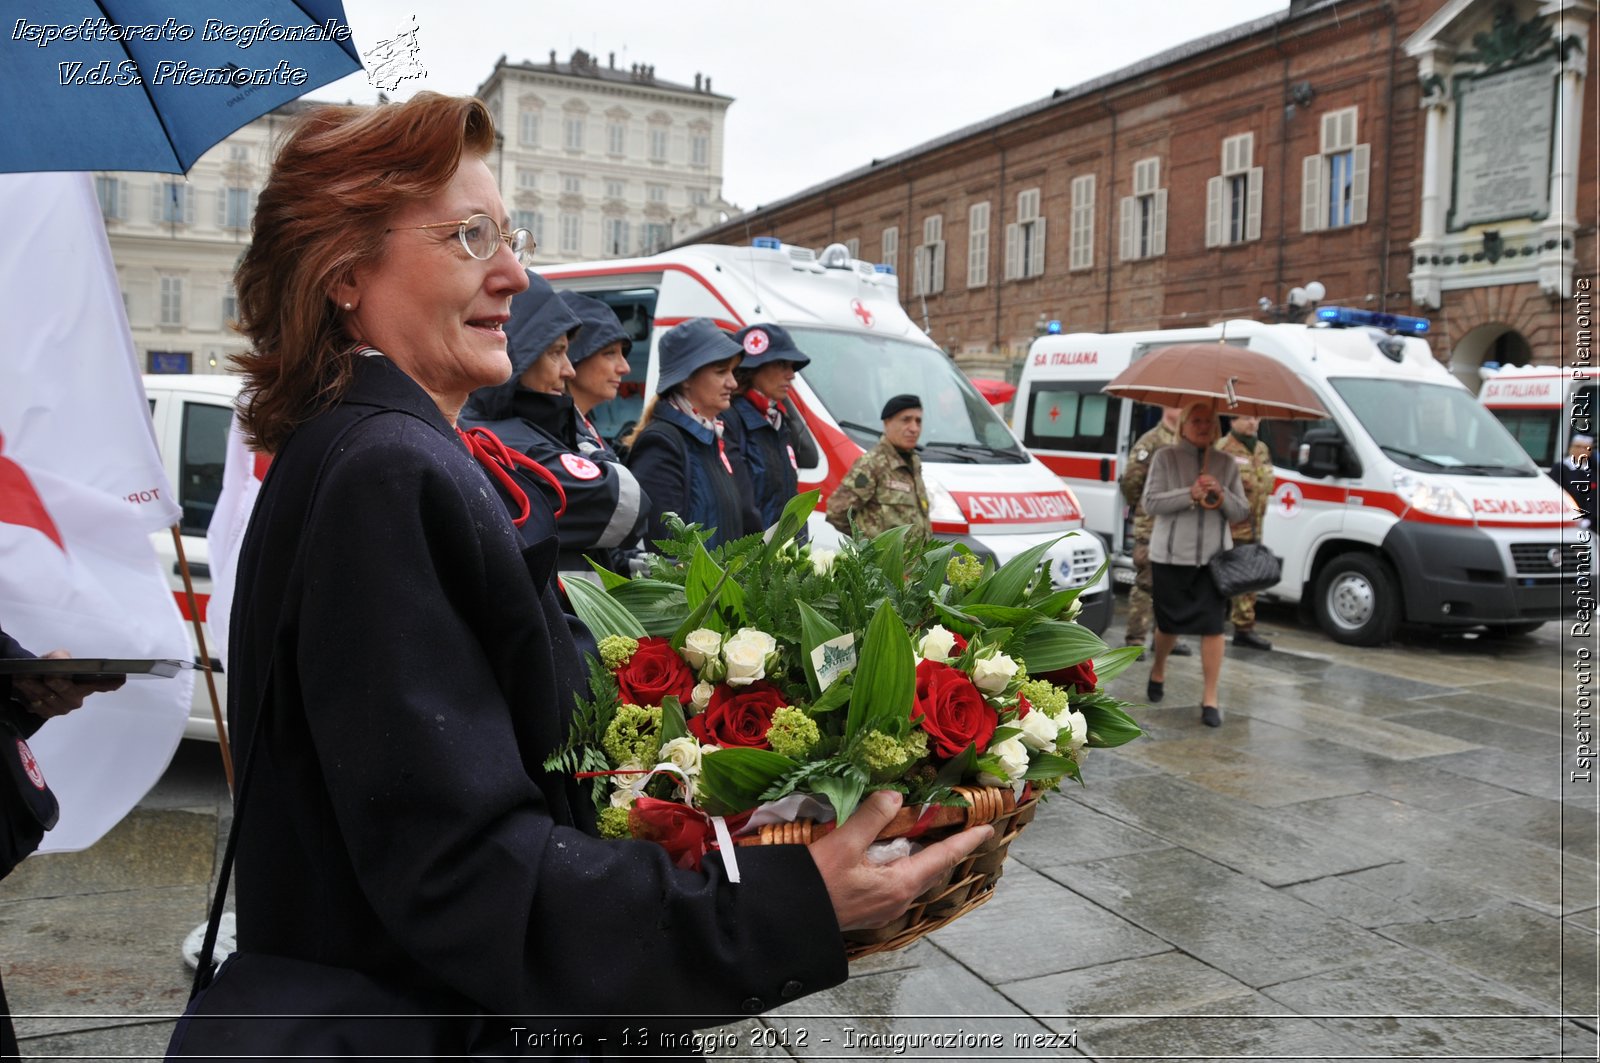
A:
<point x="1324" y="452"/>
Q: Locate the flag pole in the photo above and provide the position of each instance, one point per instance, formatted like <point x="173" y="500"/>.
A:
<point x="205" y="658"/>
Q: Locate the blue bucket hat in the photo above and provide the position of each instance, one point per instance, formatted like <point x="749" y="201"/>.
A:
<point x="601" y="327"/>
<point x="692" y="345"/>
<point x="764" y="343"/>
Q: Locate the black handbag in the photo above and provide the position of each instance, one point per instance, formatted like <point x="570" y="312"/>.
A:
<point x="1245" y="569"/>
<point x="27" y="808"/>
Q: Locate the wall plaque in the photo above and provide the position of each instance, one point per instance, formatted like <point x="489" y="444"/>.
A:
<point x="1503" y="145"/>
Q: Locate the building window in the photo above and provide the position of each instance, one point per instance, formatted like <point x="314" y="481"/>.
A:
<point x="658" y="144"/>
<point x="230" y="304"/>
<point x="233" y="208"/>
<point x="656" y="193"/>
<point x="977" y="245"/>
<point x="1081" y="251"/>
<point x="1233" y="199"/>
<point x="656" y="236"/>
<point x="571" y="184"/>
<point x="171" y="203"/>
<point x="527" y="180"/>
<point x="1334" y="182"/>
<point x="699" y="150"/>
<point x="614" y="189"/>
<point x="570" y="230"/>
<point x="113" y="195"/>
<point x="891" y="247"/>
<point x="699" y="197"/>
<point x="616" y="231"/>
<point x="238" y="153"/>
<point x="1025" y="238"/>
<point x="574" y="132"/>
<point x="617" y="138"/>
<point x="525" y="219"/>
<point x="853" y="245"/>
<point x="171" y="300"/>
<point x="929" y="256"/>
<point x="1144" y="214"/>
<point x="528" y="129"/>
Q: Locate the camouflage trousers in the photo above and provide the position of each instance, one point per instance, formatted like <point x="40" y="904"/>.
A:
<point x="1141" y="609"/>
<point x="1242" y="610"/>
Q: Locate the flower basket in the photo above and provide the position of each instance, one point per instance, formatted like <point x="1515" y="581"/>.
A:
<point x="753" y="695"/>
<point x="968" y="885"/>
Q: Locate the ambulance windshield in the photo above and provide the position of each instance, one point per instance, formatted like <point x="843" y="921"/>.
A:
<point x="854" y="374"/>
<point x="1431" y="428"/>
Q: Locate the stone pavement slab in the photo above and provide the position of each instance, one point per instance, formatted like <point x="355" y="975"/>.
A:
<point x="1401" y="892"/>
<point x="1066" y="832"/>
<point x="1478" y="731"/>
<point x="1230" y="921"/>
<point x="1552" y="824"/>
<point x="1379" y="736"/>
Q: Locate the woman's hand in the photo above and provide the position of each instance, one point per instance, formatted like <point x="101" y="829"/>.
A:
<point x="58" y="695"/>
<point x="867" y="895"/>
<point x="1206" y="491"/>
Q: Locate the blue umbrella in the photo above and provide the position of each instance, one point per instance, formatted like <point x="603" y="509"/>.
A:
<point x="135" y="85"/>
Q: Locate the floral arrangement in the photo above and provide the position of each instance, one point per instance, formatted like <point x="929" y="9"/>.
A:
<point x="766" y="673"/>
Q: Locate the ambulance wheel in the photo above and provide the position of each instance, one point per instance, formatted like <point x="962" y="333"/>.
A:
<point x="1358" y="600"/>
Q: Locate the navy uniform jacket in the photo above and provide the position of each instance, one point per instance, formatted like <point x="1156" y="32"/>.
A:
<point x="686" y="470"/>
<point x="770" y="456"/>
<point x="401" y="822"/>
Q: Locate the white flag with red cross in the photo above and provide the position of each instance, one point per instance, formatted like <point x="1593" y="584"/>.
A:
<point x="81" y="490"/>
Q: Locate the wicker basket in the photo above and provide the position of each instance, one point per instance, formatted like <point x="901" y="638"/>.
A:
<point x="969" y="885"/>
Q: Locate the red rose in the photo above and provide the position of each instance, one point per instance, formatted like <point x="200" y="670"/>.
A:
<point x="1080" y="678"/>
<point x="953" y="713"/>
<point x="738" y="716"/>
<point x="684" y="832"/>
<point x="961" y="644"/>
<point x="1024" y="706"/>
<point x="655" y="671"/>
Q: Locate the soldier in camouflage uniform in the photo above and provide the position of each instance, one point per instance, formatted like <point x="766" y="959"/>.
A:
<point x="884" y="488"/>
<point x="1255" y="469"/>
<point x="1140" y="611"/>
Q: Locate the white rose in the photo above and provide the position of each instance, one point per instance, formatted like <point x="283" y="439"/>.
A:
<point x="701" y="697"/>
<point x="1038" y="731"/>
<point x="683" y="754"/>
<point x="701" y="644"/>
<point x="623" y="796"/>
<point x="937" y="644"/>
<point x="1013" y="761"/>
<point x="746" y="655"/>
<point x="1078" y="728"/>
<point x="991" y="674"/>
<point x="822" y="560"/>
<point x="1071" y="612"/>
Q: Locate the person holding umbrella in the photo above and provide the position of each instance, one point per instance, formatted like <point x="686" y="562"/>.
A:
<point x="1194" y="492"/>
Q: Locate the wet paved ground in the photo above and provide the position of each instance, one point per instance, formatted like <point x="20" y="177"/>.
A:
<point x="1380" y="855"/>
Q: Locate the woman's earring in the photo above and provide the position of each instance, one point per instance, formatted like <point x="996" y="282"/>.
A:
<point x="349" y="306"/>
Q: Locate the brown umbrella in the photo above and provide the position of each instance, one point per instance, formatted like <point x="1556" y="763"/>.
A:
<point x="1236" y="381"/>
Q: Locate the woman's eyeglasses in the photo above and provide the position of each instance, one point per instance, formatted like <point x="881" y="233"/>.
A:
<point x="481" y="236"/>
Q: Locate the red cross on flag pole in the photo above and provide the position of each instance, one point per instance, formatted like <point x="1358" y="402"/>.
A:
<point x="81" y="492"/>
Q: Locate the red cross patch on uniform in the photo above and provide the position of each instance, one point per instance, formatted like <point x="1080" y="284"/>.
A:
<point x="30" y="765"/>
<point x="580" y="467"/>
<point x="756" y="341"/>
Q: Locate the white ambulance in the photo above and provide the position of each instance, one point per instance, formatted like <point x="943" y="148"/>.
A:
<point x="845" y="314"/>
<point x="191" y="415"/>
<point x="1541" y="405"/>
<point x="1408" y="503"/>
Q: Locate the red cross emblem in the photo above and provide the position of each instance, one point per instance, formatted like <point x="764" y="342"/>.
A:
<point x="1288" y="497"/>
<point x="756" y="341"/>
<point x="30" y="766"/>
<point x="20" y="504"/>
<point x="862" y="312"/>
<point x="1055" y="412"/>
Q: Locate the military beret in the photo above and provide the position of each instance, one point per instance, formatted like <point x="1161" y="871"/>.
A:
<point x="898" y="404"/>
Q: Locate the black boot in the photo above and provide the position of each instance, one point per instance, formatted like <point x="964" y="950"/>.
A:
<point x="1248" y="638"/>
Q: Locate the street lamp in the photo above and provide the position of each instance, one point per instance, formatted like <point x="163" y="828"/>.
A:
<point x="1301" y="301"/>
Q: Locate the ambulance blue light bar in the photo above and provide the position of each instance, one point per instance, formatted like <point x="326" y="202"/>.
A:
<point x="1053" y="328"/>
<point x="883" y="267"/>
<point x="769" y="243"/>
<point x="1351" y="317"/>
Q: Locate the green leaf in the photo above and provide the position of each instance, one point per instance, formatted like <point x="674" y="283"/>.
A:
<point x="601" y="613"/>
<point x="963" y="765"/>
<point x="890" y="546"/>
<point x="1052" y="644"/>
<point x="1049" y="766"/>
<point x="1005" y="587"/>
<point x="815" y="629"/>
<point x="658" y="605"/>
<point x="673" y="724"/>
<point x="1112" y="663"/>
<point x="708" y="585"/>
<point x="732" y="780"/>
<point x="1007" y="615"/>
<point x="835" y="697"/>
<point x="886" y="678"/>
<point x="1108" y="724"/>
<point x="608" y="579"/>
<point x="843" y="792"/>
<point x="937" y="561"/>
<point x="793" y="518"/>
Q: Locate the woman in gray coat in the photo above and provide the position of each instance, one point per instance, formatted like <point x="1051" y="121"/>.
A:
<point x="1194" y="492"/>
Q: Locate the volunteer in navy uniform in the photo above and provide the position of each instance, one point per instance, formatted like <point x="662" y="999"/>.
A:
<point x="532" y="414"/>
<point x="678" y="451"/>
<point x="764" y="424"/>
<point x="599" y="356"/>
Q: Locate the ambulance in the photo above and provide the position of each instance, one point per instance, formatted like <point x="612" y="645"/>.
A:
<point x="1540" y="405"/>
<point x="1409" y="503"/>
<point x="984" y="489"/>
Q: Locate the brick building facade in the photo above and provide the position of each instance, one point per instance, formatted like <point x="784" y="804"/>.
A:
<point x="1214" y="179"/>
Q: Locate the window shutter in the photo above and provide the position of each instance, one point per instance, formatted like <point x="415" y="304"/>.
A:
<point x="1158" y="225"/>
<point x="1013" y="251"/>
<point x="1330" y="132"/>
<point x="919" y="269"/>
<point x="1215" y="189"/>
<point x="1130" y="229"/>
<point x="1360" y="167"/>
<point x="188" y="205"/>
<point x="1252" y="204"/>
<point x="1311" y="193"/>
<point x="891" y="246"/>
<point x="1146" y="176"/>
<point x="122" y="199"/>
<point x="1082" y="229"/>
<point x="157" y="204"/>
<point x="936" y="253"/>
<point x="1036" y="252"/>
<point x="222" y="208"/>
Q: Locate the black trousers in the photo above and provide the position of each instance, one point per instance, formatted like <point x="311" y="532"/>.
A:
<point x="8" y="1036"/>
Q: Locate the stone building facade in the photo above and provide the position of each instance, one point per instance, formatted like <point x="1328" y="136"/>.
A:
<point x="1220" y="178"/>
